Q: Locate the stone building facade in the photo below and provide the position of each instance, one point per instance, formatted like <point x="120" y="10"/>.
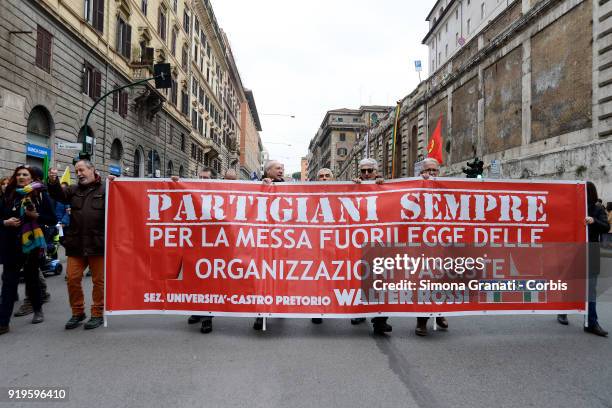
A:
<point x="531" y="90"/>
<point x="338" y="133"/>
<point x="58" y="57"/>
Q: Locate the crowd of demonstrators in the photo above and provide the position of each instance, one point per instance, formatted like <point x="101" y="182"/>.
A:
<point x="28" y="207"/>
<point x="25" y="209"/>
<point x="84" y="240"/>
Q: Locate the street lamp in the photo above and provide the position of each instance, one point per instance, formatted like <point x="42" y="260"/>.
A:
<point x="163" y="80"/>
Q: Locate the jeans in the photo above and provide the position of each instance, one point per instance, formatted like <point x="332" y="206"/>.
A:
<point x="10" y="281"/>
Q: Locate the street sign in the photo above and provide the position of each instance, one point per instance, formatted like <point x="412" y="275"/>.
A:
<point x="69" y="146"/>
<point x="114" y="169"/>
<point x="37" y="151"/>
<point x="495" y="169"/>
<point x="418" y="66"/>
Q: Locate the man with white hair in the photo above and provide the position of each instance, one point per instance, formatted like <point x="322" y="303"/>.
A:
<point x="273" y="172"/>
<point x="325" y="174"/>
<point x="368" y="171"/>
<point x="431" y="168"/>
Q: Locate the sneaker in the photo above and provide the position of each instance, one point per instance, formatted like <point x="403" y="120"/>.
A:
<point x="562" y="319"/>
<point x="75" y="321"/>
<point x="4" y="330"/>
<point x="382" y="327"/>
<point x="258" y="325"/>
<point x="24" y="310"/>
<point x="93" y="323"/>
<point x="316" y="320"/>
<point x="206" y="326"/>
<point x="357" y="320"/>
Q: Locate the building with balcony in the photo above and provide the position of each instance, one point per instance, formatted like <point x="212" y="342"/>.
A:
<point x="338" y="132"/>
<point x="76" y="51"/>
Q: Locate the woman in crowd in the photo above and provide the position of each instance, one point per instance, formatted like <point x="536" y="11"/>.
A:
<point x="24" y="208"/>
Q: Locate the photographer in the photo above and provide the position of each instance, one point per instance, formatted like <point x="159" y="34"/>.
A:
<point x="24" y="208"/>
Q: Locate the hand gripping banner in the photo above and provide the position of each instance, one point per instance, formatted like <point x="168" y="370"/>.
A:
<point x="408" y="247"/>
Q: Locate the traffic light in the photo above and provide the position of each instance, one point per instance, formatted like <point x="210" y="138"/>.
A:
<point x="475" y="169"/>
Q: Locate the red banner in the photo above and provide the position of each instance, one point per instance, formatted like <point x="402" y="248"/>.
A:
<point x="409" y="247"/>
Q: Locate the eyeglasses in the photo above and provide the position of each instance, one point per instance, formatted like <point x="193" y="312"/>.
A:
<point x="367" y="171"/>
<point x="325" y="175"/>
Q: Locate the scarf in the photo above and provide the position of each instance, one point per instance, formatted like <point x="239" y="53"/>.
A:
<point x="32" y="236"/>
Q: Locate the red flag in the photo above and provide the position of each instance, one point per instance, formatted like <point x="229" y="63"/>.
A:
<point x="434" y="148"/>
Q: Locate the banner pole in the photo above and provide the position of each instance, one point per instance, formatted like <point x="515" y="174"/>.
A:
<point x="264" y="324"/>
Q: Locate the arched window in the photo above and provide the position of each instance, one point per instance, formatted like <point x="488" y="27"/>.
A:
<point x="153" y="164"/>
<point x="116" y="153"/>
<point x="139" y="162"/>
<point x="181" y="171"/>
<point x="39" y="127"/>
<point x="170" y="169"/>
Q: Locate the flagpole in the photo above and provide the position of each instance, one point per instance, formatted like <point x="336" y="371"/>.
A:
<point x="395" y="124"/>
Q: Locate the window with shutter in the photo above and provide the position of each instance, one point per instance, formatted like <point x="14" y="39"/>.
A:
<point x="98" y="15"/>
<point x="97" y="92"/>
<point x="115" y="101"/>
<point x="43" y="49"/>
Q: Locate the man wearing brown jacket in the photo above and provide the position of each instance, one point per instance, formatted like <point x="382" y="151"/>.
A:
<point x="84" y="241"/>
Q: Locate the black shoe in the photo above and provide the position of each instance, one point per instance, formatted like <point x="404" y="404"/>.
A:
<point x="75" y="321"/>
<point x="39" y="317"/>
<point x="421" y="328"/>
<point x="258" y="325"/>
<point x="316" y="320"/>
<point x="4" y="330"/>
<point x="194" y="319"/>
<point x="357" y="320"/>
<point x="382" y="327"/>
<point x="206" y="326"/>
<point x="597" y="330"/>
<point x="441" y="322"/>
<point x="562" y="319"/>
<point x="93" y="323"/>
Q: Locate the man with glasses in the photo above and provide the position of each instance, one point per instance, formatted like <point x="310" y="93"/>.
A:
<point x="368" y="171"/>
<point x="325" y="174"/>
<point x="431" y="168"/>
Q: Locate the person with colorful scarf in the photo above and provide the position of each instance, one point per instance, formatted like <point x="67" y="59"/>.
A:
<point x="24" y="208"/>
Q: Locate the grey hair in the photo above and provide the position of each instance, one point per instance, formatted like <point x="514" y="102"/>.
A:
<point x="269" y="165"/>
<point x="431" y="160"/>
<point x="325" y="169"/>
<point x="87" y="163"/>
<point x="368" y="161"/>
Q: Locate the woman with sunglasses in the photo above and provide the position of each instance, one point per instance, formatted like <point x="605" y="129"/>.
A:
<point x="24" y="208"/>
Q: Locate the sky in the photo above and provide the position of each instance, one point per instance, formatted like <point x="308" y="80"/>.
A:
<point x="304" y="58"/>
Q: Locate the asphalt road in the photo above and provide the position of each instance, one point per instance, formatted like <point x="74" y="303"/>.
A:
<point x="508" y="361"/>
